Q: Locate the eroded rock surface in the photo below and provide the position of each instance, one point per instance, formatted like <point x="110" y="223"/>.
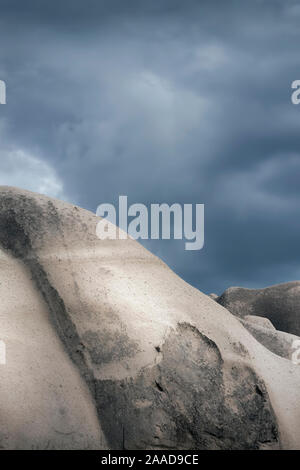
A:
<point x="125" y="353"/>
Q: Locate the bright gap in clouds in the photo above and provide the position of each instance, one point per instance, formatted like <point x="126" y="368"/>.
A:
<point x="18" y="168"/>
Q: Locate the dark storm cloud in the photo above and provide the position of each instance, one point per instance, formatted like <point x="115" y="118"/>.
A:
<point x="164" y="101"/>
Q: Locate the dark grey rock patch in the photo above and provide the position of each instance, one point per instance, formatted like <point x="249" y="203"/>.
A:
<point x="189" y="403"/>
<point x="106" y="346"/>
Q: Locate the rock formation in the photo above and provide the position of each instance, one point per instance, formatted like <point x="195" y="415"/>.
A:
<point x="107" y="348"/>
<point x="280" y="304"/>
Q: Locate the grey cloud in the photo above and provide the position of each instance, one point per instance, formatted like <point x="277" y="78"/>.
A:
<point x="165" y="102"/>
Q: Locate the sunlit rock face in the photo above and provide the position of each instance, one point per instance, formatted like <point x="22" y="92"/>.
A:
<point x="107" y="348"/>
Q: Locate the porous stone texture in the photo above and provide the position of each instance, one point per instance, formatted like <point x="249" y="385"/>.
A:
<point x="107" y="348"/>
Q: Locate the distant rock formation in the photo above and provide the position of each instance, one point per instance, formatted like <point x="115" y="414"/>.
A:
<point x="279" y="303"/>
<point x="108" y="349"/>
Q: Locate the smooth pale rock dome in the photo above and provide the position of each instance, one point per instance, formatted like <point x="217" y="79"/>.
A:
<point x="107" y="348"/>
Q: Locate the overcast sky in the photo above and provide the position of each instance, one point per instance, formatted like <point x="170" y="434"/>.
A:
<point x="163" y="101"/>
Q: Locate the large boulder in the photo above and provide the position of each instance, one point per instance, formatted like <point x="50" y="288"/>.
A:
<point x="279" y="303"/>
<point x="107" y="348"/>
